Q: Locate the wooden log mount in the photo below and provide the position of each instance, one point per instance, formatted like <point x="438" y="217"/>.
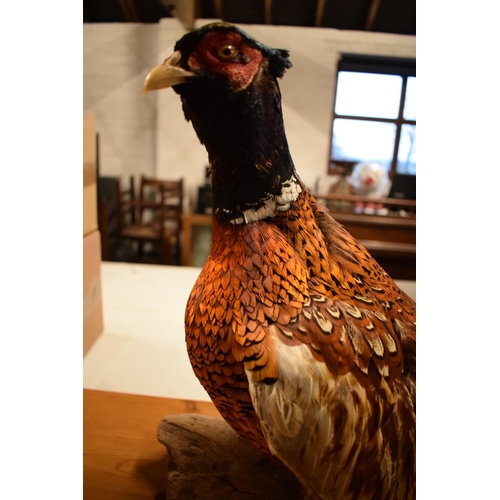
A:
<point x="208" y="460"/>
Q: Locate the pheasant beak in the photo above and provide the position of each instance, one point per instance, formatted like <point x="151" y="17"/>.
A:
<point x="167" y="74"/>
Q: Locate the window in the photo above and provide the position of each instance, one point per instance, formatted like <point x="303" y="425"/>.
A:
<point x="374" y="117"/>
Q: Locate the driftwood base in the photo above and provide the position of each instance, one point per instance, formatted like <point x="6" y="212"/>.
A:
<point x="208" y="460"/>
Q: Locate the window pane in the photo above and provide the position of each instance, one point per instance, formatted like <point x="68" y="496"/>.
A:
<point x="410" y="109"/>
<point x="358" y="140"/>
<point x="407" y="154"/>
<point x="367" y="94"/>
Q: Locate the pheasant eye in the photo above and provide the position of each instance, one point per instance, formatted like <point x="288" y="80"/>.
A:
<point x="227" y="51"/>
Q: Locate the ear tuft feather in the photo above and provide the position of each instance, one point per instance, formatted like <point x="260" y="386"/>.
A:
<point x="279" y="62"/>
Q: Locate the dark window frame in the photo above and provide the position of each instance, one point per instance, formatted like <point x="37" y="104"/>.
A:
<point x="388" y="65"/>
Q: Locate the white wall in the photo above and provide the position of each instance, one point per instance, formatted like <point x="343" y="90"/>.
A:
<point x="116" y="59"/>
<point x="125" y="53"/>
<point x="178" y="151"/>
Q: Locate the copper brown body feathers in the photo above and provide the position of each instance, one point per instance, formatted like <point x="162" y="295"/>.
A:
<point x="305" y="345"/>
<point x="301" y="282"/>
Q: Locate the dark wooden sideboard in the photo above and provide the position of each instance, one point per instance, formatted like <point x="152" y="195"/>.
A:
<point x="391" y="239"/>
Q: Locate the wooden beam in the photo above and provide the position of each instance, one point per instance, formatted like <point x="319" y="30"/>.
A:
<point x="320" y="9"/>
<point x="197" y="9"/>
<point x="128" y="9"/>
<point x="184" y="10"/>
<point x="219" y="11"/>
<point x="372" y="14"/>
<point x="268" y="11"/>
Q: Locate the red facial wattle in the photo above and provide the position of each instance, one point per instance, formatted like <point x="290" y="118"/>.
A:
<point x="239" y="70"/>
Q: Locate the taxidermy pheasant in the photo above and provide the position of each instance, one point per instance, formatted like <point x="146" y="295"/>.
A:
<point x="305" y="345"/>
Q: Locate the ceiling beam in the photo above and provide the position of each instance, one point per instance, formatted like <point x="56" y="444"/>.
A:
<point x="219" y="11"/>
<point x="268" y="11"/>
<point x="184" y="10"/>
<point x="320" y="9"/>
<point x="128" y="9"/>
<point x="372" y="14"/>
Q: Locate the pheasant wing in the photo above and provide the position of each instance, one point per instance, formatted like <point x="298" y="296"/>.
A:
<point x="343" y="398"/>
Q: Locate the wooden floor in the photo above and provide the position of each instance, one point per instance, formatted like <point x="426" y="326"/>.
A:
<point x="122" y="458"/>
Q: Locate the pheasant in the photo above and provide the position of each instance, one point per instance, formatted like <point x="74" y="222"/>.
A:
<point x="304" y="343"/>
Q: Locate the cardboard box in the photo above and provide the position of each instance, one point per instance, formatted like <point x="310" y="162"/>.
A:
<point x="89" y="174"/>
<point x="93" y="324"/>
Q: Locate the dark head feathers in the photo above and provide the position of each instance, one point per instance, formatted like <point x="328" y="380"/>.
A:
<point x="278" y="58"/>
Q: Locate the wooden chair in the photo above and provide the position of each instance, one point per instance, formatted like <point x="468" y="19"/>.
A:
<point x="154" y="217"/>
<point x="111" y="194"/>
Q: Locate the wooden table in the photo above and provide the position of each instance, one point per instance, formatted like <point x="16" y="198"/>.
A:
<point x="190" y="219"/>
<point x="122" y="459"/>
